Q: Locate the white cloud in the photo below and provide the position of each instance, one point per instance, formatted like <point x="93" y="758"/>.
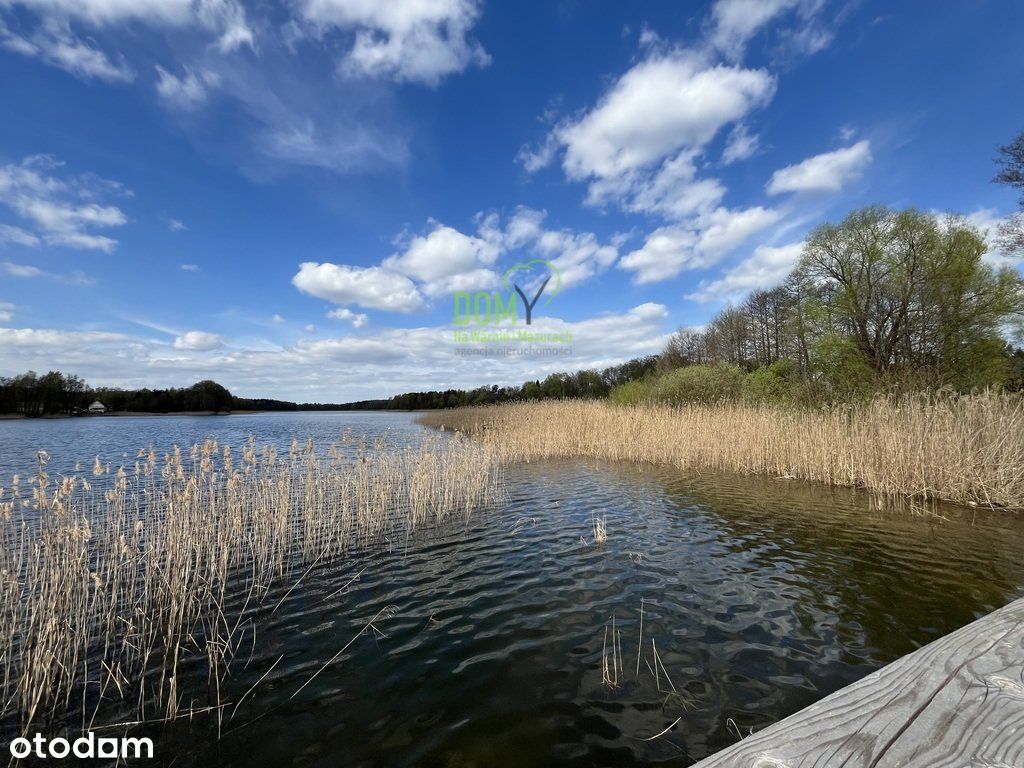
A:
<point x="666" y="252"/>
<point x="445" y="260"/>
<point x="309" y="328"/>
<point x="224" y="19"/>
<point x="735" y="22"/>
<point x="18" y="236"/>
<point x="723" y="229"/>
<point x="405" y="40"/>
<point x="60" y="49"/>
<point x="827" y="172"/>
<point x="176" y="225"/>
<point x="62" y="211"/>
<point x="186" y="92"/>
<point x="76" y="278"/>
<point x="371" y="287"/>
<point x="6" y="311"/>
<point x="699" y="244"/>
<point x="535" y="158"/>
<point x="198" y="341"/>
<point x="189" y="267"/>
<point x="661" y="105"/>
<point x="674" y="191"/>
<point x="741" y="145"/>
<point x="443" y="253"/>
<point x="357" y="319"/>
<point x="351" y="367"/>
<point x="766" y="268"/>
<point x="277" y="319"/>
<point x="281" y="115"/>
<point x="578" y="256"/>
<point x="639" y="147"/>
<point x="988" y="221"/>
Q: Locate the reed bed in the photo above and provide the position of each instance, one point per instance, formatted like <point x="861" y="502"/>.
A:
<point x="965" y="449"/>
<point x="110" y="584"/>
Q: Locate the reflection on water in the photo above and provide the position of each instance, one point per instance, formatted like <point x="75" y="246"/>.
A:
<point x="116" y="439"/>
<point x="761" y="596"/>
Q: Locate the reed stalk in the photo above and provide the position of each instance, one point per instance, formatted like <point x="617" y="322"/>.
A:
<point x="967" y="449"/>
<point x="112" y="586"/>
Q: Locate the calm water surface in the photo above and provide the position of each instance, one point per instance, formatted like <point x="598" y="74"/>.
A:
<point x="761" y="596"/>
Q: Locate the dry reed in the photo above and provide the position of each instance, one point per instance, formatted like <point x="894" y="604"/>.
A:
<point x="966" y="449"/>
<point x="110" y="585"/>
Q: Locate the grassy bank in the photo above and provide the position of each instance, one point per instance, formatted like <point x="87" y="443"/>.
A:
<point x="110" y="584"/>
<point x="967" y="449"/>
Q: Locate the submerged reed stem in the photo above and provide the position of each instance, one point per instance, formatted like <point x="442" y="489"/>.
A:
<point x="112" y="587"/>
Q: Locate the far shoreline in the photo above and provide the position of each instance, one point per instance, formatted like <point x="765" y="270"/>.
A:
<point x="121" y="414"/>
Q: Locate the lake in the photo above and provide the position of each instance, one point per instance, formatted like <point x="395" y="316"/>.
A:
<point x="758" y="596"/>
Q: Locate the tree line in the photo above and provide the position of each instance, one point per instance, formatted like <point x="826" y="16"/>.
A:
<point x="578" y="384"/>
<point x="884" y="300"/>
<point x="55" y="393"/>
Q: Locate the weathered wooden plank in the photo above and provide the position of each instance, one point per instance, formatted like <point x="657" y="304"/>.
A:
<point x="954" y="703"/>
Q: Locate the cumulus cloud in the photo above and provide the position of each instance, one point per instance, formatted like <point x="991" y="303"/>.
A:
<point x="674" y="191"/>
<point x="578" y="256"/>
<point x="62" y="211"/>
<point x="666" y="252"/>
<point x="404" y="40"/>
<point x="670" y="250"/>
<point x="766" y="268"/>
<point x="371" y="287"/>
<point x="198" y="341"/>
<point x="661" y="105"/>
<point x="827" y="172"/>
<point x="357" y="319"/>
<point x="446" y="259"/>
<point x="6" y="311"/>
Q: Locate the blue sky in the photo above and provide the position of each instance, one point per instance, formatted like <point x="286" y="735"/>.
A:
<point x="284" y="196"/>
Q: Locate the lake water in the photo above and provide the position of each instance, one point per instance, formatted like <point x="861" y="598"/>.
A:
<point x="760" y="596"/>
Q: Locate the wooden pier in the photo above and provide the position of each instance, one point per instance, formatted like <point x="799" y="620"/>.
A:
<point x="955" y="703"/>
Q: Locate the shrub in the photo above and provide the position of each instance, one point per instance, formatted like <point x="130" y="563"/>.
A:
<point x="704" y="384"/>
<point x="770" y="384"/>
<point x="631" y="393"/>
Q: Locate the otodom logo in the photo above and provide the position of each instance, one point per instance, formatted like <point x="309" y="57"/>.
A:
<point x="506" y="317"/>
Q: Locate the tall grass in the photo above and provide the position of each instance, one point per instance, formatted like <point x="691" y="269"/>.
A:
<point x="109" y="584"/>
<point x="966" y="449"/>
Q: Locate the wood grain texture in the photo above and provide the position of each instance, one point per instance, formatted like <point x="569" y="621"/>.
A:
<point x="955" y="703"/>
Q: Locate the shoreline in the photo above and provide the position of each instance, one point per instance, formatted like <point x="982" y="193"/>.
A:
<point x="956" y="449"/>
<point x="121" y="414"/>
<point x="118" y="414"/>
